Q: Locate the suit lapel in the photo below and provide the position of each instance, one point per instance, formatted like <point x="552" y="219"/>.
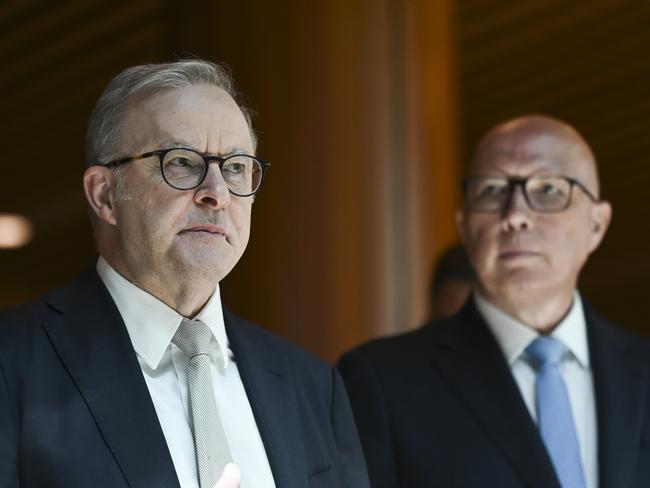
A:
<point x="619" y="382"/>
<point x="470" y="360"/>
<point x="91" y="339"/>
<point x="272" y="396"/>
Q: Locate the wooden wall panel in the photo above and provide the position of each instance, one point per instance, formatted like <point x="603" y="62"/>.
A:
<point x="350" y="114"/>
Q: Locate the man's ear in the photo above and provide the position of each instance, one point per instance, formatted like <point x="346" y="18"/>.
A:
<point x="98" y="184"/>
<point x="601" y="216"/>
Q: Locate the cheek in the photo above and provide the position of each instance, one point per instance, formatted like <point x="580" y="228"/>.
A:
<point x="139" y="231"/>
<point x="154" y="221"/>
<point x="482" y="237"/>
<point x="565" y="239"/>
<point x="240" y="214"/>
<point x="571" y="244"/>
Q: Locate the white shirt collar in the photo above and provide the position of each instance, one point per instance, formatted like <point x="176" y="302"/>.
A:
<point x="513" y="336"/>
<point x="151" y="323"/>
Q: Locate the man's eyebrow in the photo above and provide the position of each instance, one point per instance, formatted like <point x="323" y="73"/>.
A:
<point x="172" y="143"/>
<point x="231" y="152"/>
<point x="236" y="150"/>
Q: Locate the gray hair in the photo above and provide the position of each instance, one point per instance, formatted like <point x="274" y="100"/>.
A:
<point x="104" y="127"/>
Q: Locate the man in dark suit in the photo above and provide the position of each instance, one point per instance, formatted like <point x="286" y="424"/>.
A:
<point x="526" y="386"/>
<point x="134" y="374"/>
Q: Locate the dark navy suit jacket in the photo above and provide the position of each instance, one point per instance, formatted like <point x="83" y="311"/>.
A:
<point x="438" y="407"/>
<point x="75" y="410"/>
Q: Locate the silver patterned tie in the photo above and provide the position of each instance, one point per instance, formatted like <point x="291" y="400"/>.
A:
<point x="212" y="452"/>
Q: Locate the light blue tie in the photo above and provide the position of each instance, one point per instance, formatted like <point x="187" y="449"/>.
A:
<point x="554" y="415"/>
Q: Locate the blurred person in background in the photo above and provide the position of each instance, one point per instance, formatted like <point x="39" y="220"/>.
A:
<point x="134" y="374"/>
<point x="526" y="386"/>
<point x="451" y="282"/>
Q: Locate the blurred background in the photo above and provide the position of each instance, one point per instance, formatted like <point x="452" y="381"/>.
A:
<point x="367" y="110"/>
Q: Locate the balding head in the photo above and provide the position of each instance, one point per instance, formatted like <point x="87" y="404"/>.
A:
<point x="537" y="138"/>
<point x="532" y="216"/>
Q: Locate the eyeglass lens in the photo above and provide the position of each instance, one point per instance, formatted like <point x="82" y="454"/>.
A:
<point x="545" y="194"/>
<point x="184" y="169"/>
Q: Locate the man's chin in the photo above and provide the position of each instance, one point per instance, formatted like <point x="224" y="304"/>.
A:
<point x="515" y="280"/>
<point x="202" y="264"/>
<point x="524" y="284"/>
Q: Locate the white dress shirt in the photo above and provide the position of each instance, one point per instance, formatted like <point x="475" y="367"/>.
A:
<point x="513" y="338"/>
<point x="151" y="324"/>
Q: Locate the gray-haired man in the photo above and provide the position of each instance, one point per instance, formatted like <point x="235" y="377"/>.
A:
<point x="134" y="374"/>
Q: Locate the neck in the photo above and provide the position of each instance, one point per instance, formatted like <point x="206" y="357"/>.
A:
<point x="187" y="300"/>
<point x="540" y="313"/>
<point x="186" y="296"/>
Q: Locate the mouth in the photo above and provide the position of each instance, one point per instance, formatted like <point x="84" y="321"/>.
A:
<point x="205" y="229"/>
<point x="517" y="254"/>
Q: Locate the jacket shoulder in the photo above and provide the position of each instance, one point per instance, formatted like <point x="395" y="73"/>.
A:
<point x="33" y="312"/>
<point x="605" y="333"/>
<point x="404" y="347"/>
<point x="22" y="319"/>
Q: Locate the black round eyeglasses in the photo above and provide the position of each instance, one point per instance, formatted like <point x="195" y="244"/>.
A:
<point x="185" y="169"/>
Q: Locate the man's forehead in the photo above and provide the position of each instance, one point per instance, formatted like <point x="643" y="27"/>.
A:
<point x="180" y="142"/>
<point x="204" y="118"/>
<point x="523" y="154"/>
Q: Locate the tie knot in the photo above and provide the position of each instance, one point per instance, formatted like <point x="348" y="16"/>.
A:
<point x="545" y="351"/>
<point x="193" y="337"/>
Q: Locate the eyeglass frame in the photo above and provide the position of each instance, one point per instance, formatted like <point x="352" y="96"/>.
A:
<point x="161" y="153"/>
<point x="514" y="182"/>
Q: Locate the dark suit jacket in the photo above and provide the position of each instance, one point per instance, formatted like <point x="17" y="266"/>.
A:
<point x="75" y="410"/>
<point x="438" y="407"/>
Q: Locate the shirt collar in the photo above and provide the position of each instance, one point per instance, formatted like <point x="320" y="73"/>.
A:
<point x="514" y="336"/>
<point x="151" y="323"/>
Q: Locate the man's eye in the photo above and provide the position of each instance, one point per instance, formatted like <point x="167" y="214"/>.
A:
<point x="235" y="168"/>
<point x="491" y="190"/>
<point x="549" y="189"/>
<point x="179" y="162"/>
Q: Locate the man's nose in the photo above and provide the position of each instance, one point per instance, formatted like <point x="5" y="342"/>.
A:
<point x="213" y="191"/>
<point x="516" y="213"/>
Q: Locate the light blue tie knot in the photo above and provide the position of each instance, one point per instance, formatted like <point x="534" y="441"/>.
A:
<point x="554" y="416"/>
<point x="546" y="351"/>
